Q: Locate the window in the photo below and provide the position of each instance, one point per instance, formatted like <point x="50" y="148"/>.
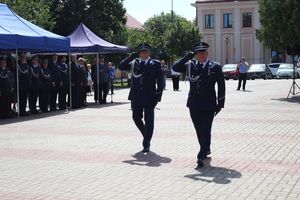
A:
<point x="227" y="20"/>
<point x="247" y="19"/>
<point x="209" y="21"/>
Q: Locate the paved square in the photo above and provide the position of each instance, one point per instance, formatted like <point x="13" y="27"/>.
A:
<point x="93" y="153"/>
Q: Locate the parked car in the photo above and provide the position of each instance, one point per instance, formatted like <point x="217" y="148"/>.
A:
<point x="259" y="71"/>
<point x="274" y="68"/>
<point x="287" y="71"/>
<point x="230" y="71"/>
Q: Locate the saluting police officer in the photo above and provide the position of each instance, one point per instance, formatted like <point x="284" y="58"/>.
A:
<point x="5" y="89"/>
<point x="35" y="84"/>
<point x="144" y="93"/>
<point x="24" y="83"/>
<point x="203" y="74"/>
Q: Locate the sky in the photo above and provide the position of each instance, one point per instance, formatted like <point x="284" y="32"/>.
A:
<point x="144" y="9"/>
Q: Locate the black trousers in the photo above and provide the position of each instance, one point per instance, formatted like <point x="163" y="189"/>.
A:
<point x="5" y="104"/>
<point x="44" y="99"/>
<point x="24" y="93"/>
<point x="103" y="91"/>
<point x="76" y="96"/>
<point x="242" y="77"/>
<point x="83" y="95"/>
<point x="175" y="80"/>
<point x="62" y="95"/>
<point x="33" y="96"/>
<point x="53" y="97"/>
<point x="202" y="121"/>
<point x="146" y="127"/>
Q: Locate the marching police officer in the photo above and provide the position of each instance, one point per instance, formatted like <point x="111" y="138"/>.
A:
<point x="46" y="85"/>
<point x="35" y="84"/>
<point x="144" y="93"/>
<point x="203" y="74"/>
<point x="5" y="89"/>
<point x="24" y="83"/>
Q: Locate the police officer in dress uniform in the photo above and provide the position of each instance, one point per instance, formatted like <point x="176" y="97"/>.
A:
<point x="75" y="82"/>
<point x="46" y="87"/>
<point x="146" y="90"/>
<point x="64" y="87"/>
<point x="203" y="74"/>
<point x="83" y="81"/>
<point x="5" y="89"/>
<point x="35" y="84"/>
<point x="24" y="83"/>
<point x="103" y="77"/>
<point x="56" y="82"/>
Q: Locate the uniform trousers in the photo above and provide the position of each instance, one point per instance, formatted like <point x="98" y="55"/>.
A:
<point x="242" y="77"/>
<point x="175" y="80"/>
<point x="202" y="121"/>
<point x="33" y="96"/>
<point x="24" y="93"/>
<point x="53" y="97"/>
<point x="146" y="127"/>
<point x="44" y="99"/>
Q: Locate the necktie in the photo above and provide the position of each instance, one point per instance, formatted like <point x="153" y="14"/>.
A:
<point x="143" y="64"/>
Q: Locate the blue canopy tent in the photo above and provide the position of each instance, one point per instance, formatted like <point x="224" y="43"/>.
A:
<point x="84" y="41"/>
<point x="17" y="33"/>
<point x="20" y="35"/>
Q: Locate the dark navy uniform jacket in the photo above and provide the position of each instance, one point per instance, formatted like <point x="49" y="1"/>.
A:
<point x="147" y="81"/>
<point x="35" y="77"/>
<point x="202" y="94"/>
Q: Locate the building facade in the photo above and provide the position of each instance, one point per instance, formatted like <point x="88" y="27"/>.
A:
<point x="229" y="27"/>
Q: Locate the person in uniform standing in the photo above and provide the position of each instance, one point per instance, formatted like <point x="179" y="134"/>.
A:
<point x="65" y="86"/>
<point x="83" y="81"/>
<point x="175" y="80"/>
<point x="103" y="77"/>
<point x="35" y="84"/>
<point x="75" y="82"/>
<point x="243" y="67"/>
<point x="56" y="81"/>
<point x="111" y="72"/>
<point x="24" y="83"/>
<point x="146" y="90"/>
<point x="46" y="87"/>
<point x="164" y="69"/>
<point x="5" y="89"/>
<point x="202" y="102"/>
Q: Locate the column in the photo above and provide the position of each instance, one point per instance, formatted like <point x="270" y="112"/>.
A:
<point x="237" y="34"/>
<point x="218" y="29"/>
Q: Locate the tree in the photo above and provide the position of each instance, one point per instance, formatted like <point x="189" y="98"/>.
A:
<point x="280" y="24"/>
<point x="37" y="12"/>
<point x="106" y="18"/>
<point x="169" y="36"/>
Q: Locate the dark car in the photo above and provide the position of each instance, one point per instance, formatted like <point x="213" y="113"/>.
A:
<point x="259" y="71"/>
<point x="230" y="71"/>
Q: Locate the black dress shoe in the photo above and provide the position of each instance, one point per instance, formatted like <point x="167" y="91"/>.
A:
<point x="199" y="164"/>
<point x="145" y="150"/>
<point x="208" y="153"/>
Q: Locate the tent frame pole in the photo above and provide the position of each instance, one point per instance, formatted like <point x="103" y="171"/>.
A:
<point x="70" y="80"/>
<point x="98" y="91"/>
<point x="18" y="83"/>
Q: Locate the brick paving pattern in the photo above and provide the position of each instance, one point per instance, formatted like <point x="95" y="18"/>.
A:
<point x="93" y="153"/>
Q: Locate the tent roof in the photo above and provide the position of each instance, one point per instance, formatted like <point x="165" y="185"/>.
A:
<point x="83" y="40"/>
<point x="17" y="33"/>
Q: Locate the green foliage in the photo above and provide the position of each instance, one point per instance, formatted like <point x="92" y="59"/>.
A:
<point x="37" y="12"/>
<point x="106" y="18"/>
<point x="169" y="36"/>
<point x="280" y="23"/>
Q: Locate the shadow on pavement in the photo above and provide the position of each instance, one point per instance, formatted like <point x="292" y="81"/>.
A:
<point x="16" y="119"/>
<point x="218" y="175"/>
<point x="293" y="99"/>
<point x="150" y="159"/>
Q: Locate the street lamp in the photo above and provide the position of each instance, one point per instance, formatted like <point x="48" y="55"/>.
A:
<point x="226" y="42"/>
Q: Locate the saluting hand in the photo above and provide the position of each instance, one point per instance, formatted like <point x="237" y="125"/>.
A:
<point x="133" y="55"/>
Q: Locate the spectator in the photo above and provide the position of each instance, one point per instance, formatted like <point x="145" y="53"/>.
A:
<point x="175" y="79"/>
<point x="243" y="67"/>
<point x="111" y="71"/>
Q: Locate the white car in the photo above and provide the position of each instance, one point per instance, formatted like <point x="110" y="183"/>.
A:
<point x="273" y="68"/>
<point x="287" y="71"/>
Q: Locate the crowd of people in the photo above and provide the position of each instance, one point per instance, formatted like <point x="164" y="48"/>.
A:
<point x="44" y="83"/>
